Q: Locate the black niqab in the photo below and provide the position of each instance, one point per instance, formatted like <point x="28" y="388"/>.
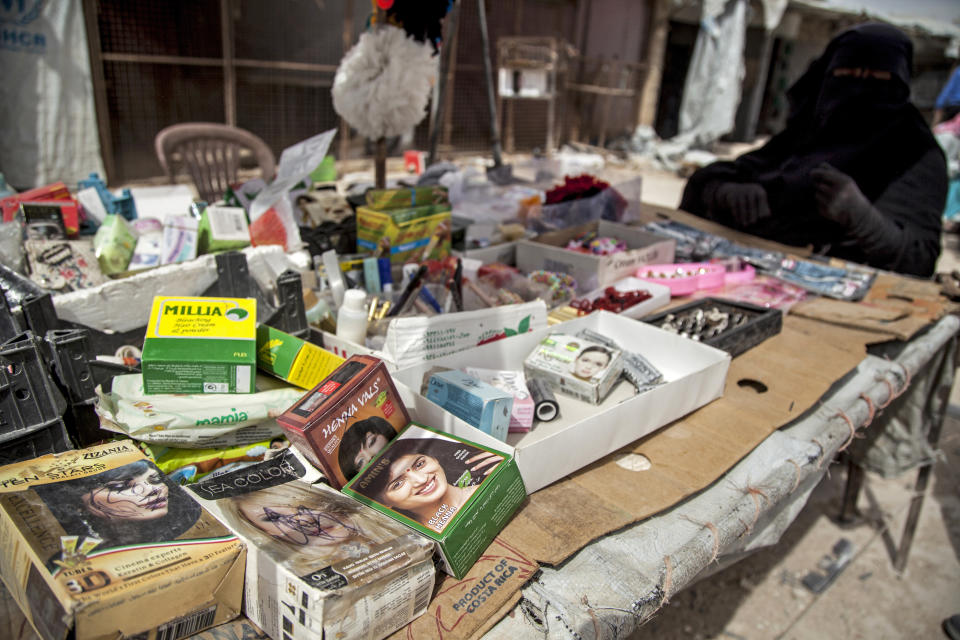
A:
<point x="865" y="127"/>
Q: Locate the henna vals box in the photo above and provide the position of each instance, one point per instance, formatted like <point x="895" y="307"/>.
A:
<point x="349" y="416"/>
<point x="319" y="564"/>
<point x="451" y="490"/>
<point x="98" y="543"/>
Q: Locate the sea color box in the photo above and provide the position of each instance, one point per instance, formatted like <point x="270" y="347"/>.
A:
<point x="321" y="565"/>
<point x="456" y="492"/>
<point x="200" y="345"/>
<point x="98" y="543"/>
<point x="350" y="415"/>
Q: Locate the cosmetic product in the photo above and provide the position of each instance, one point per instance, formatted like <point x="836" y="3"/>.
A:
<point x="546" y="407"/>
<point x="472" y="400"/>
<point x="352" y="317"/>
<point x="575" y="366"/>
<point x="408" y="290"/>
<point x="85" y="560"/>
<point x="334" y="276"/>
<point x="371" y="275"/>
<point x="200" y="345"/>
<point x="332" y="424"/>
<point x="289" y="358"/>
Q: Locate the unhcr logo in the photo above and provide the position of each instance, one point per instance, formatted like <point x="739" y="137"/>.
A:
<point x="15" y="14"/>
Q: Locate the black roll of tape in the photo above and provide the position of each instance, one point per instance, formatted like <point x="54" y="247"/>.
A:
<point x="545" y="404"/>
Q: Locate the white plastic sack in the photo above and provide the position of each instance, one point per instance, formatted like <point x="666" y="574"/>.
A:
<point x="48" y="125"/>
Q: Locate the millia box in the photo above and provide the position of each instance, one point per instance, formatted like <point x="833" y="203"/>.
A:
<point x="457" y="492"/>
<point x="289" y="358"/>
<point x="341" y="423"/>
<point x="200" y="345"/>
<point x="472" y="400"/>
<point x="99" y="543"/>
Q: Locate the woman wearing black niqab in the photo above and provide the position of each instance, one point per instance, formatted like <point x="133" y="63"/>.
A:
<point x="856" y="173"/>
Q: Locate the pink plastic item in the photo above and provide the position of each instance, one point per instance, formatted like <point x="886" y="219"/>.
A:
<point x="741" y="276"/>
<point x="683" y="278"/>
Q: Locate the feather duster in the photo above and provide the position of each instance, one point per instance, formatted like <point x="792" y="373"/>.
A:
<point x="383" y="83"/>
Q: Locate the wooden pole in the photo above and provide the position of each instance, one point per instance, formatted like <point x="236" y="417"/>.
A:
<point x="380" y="157"/>
<point x="380" y="164"/>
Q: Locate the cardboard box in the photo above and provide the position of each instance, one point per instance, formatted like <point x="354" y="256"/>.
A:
<point x="289" y="358"/>
<point x="547" y="251"/>
<point x="514" y="383"/>
<point x="408" y="225"/>
<point x="180" y="237"/>
<point x="200" y="345"/>
<point x="412" y="340"/>
<point x="456" y="492"/>
<point x="504" y="253"/>
<point x="584" y="432"/>
<point x="98" y="543"/>
<point x="320" y="564"/>
<point x="63" y="265"/>
<point x="349" y="416"/>
<point x="222" y="229"/>
<point x="472" y="400"/>
<point x="577" y="367"/>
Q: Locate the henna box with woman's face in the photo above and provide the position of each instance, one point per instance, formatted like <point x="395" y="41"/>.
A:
<point x="341" y="423"/>
<point x="454" y="491"/>
<point x="316" y="557"/>
<point x="574" y="366"/>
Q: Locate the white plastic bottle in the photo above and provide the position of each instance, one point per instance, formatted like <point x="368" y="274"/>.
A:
<point x="352" y="317"/>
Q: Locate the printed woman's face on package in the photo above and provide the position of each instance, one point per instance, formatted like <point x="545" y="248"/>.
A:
<point x="416" y="480"/>
<point x="370" y="446"/>
<point x="140" y="497"/>
<point x="590" y="362"/>
<point x="301" y="525"/>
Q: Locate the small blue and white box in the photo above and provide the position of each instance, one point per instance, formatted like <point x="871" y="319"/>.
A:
<point x="474" y="401"/>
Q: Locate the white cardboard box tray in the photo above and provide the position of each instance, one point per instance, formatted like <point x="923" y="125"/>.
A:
<point x="413" y="339"/>
<point x="547" y="251"/>
<point x="659" y="296"/>
<point x="583" y="433"/>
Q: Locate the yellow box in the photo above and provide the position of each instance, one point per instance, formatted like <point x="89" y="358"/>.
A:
<point x="200" y="345"/>
<point x="408" y="225"/>
<point x="297" y="361"/>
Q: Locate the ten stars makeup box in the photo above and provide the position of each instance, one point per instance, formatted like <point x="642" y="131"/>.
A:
<point x="98" y="543"/>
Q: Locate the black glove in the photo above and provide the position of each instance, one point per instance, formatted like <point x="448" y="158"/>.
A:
<point x="839" y="199"/>
<point x="745" y="202"/>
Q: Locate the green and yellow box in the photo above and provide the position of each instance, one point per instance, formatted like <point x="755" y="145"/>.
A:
<point x="406" y="225"/>
<point x="289" y="358"/>
<point x="197" y="344"/>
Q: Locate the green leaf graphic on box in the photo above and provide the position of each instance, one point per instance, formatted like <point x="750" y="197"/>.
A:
<point x="509" y="332"/>
<point x="236" y="314"/>
<point x="524" y="325"/>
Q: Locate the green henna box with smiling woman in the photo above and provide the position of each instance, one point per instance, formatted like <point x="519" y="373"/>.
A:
<point x="454" y="491"/>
